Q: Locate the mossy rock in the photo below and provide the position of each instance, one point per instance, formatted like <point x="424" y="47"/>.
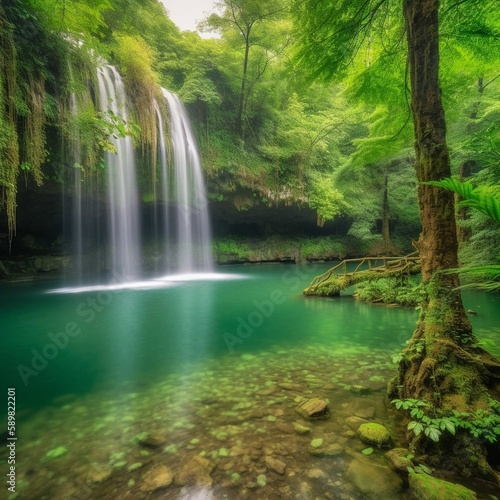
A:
<point x="399" y="461"/>
<point x="376" y="434"/>
<point x="426" y="487"/>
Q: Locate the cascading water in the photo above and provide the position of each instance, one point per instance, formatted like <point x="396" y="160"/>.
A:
<point x="180" y="223"/>
<point x="77" y="219"/>
<point x="122" y="183"/>
<point x="187" y="192"/>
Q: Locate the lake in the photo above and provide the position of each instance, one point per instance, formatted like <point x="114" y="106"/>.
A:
<point x="189" y="388"/>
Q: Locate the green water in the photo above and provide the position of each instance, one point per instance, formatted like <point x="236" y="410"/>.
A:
<point x="202" y="378"/>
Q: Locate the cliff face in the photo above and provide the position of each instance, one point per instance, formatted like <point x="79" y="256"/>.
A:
<point x="43" y="243"/>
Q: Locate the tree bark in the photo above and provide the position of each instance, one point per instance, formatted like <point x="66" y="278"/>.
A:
<point x="386" y="234"/>
<point x="442" y="364"/>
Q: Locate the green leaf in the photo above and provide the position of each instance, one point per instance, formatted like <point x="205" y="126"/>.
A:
<point x="367" y="451"/>
<point x="432" y="432"/>
<point x="417" y="427"/>
<point x="449" y="426"/>
<point x="477" y="198"/>
<point x="424" y="469"/>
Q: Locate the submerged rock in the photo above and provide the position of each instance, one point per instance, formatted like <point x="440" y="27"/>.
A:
<point x="195" y="472"/>
<point x="152" y="440"/>
<point x="156" y="478"/>
<point x="426" y="487"/>
<point x="275" y="464"/>
<point x="355" y="422"/>
<point x="315" y="473"/>
<point x="98" y="473"/>
<point x="398" y="460"/>
<point x="359" y="389"/>
<point x="373" y="433"/>
<point x="332" y="450"/>
<point x="313" y="408"/>
<point x="375" y="481"/>
<point x="363" y="408"/>
<point x="301" y="429"/>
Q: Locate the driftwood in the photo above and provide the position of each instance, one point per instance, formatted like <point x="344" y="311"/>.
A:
<point x="338" y="278"/>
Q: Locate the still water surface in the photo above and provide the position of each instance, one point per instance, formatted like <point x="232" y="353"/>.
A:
<point x="199" y="379"/>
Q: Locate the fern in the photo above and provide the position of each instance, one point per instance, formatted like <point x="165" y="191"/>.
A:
<point x="487" y="201"/>
<point x="480" y="198"/>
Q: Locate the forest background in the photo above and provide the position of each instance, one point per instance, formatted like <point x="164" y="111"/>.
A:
<point x="316" y="170"/>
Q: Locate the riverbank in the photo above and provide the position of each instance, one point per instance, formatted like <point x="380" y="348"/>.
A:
<point x="34" y="262"/>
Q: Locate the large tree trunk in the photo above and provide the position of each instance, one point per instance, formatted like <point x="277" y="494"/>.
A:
<point x="442" y="364"/>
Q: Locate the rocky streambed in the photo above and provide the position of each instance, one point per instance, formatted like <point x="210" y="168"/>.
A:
<point x="228" y="429"/>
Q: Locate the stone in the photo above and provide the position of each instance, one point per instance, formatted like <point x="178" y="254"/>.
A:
<point x="398" y="460"/>
<point x="359" y="389"/>
<point x="331" y="450"/>
<point x="373" y="433"/>
<point x="195" y="471"/>
<point x="313" y="408"/>
<point x="152" y="440"/>
<point x="355" y="422"/>
<point x="363" y="408"/>
<point x="426" y="487"/>
<point x="98" y="473"/>
<point x="287" y="428"/>
<point x="275" y="464"/>
<point x="157" y="478"/>
<point x="375" y="481"/>
<point x="301" y="429"/>
<point x="261" y="480"/>
<point x="315" y="474"/>
<point x="316" y="443"/>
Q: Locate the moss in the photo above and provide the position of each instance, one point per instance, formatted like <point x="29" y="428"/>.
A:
<point x="426" y="487"/>
<point x="373" y="433"/>
<point x="55" y="453"/>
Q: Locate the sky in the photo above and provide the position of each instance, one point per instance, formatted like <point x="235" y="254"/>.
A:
<point x="186" y="13"/>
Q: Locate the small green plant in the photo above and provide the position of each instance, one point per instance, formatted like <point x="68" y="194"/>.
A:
<point x="420" y="468"/>
<point x="479" y="424"/>
<point x="403" y="291"/>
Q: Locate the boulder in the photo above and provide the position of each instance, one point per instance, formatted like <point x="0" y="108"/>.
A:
<point x="313" y="408"/>
<point x="375" y="481"/>
<point x="426" y="487"/>
<point x="373" y="433"/>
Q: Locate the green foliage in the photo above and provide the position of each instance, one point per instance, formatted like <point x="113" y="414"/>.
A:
<point x="479" y="424"/>
<point x="404" y="291"/>
<point x="484" y="199"/>
<point x="325" y="199"/>
<point x="300" y="249"/>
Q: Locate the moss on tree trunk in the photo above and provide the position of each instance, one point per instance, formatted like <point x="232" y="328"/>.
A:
<point x="447" y="369"/>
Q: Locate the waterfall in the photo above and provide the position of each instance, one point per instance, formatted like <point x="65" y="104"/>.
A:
<point x="186" y="193"/>
<point x="180" y="224"/>
<point x="77" y="218"/>
<point x="122" y="183"/>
